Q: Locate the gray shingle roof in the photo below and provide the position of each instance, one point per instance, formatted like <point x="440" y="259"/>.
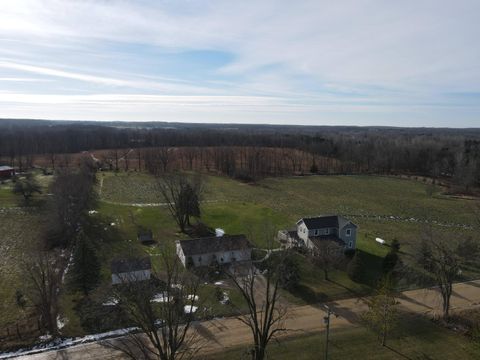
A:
<point x="208" y="245"/>
<point x="328" y="221"/>
<point x="132" y="264"/>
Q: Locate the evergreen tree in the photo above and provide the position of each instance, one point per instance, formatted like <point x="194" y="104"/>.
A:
<point x="389" y="261"/>
<point x="86" y="266"/>
<point x="355" y="268"/>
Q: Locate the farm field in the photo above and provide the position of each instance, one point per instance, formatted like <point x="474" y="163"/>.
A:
<point x="383" y="207"/>
<point x="415" y="338"/>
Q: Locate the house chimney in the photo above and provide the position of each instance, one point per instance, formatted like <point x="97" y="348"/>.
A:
<point x="219" y="232"/>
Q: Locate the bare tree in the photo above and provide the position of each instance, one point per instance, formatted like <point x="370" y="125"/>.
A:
<point x="381" y="316"/>
<point x="442" y="258"/>
<point x="182" y="196"/>
<point x="266" y="316"/>
<point x="165" y="155"/>
<point x="43" y="275"/>
<point x="27" y="187"/>
<point x="328" y="255"/>
<point x="163" y="311"/>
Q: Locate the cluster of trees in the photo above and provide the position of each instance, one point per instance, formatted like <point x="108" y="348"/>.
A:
<point x="446" y="153"/>
<point x="67" y="232"/>
<point x="168" y="330"/>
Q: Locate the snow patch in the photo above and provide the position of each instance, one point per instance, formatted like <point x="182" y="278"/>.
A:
<point x="111" y="302"/>
<point x="190" y="309"/>
<point x="162" y="298"/>
<point x="58" y="344"/>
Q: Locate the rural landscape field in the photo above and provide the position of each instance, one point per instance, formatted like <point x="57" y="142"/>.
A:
<point x="401" y="209"/>
<point x="262" y="180"/>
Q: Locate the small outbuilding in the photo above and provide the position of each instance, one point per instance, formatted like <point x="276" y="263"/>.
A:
<point x="131" y="270"/>
<point x="6" y="172"/>
<point x="145" y="236"/>
<point x="214" y="250"/>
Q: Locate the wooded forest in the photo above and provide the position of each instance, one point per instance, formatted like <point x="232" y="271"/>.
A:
<point x="247" y="152"/>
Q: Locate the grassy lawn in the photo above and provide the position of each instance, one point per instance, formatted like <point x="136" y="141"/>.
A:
<point x="18" y="234"/>
<point x="7" y="198"/>
<point x="416" y="338"/>
<point x="20" y="228"/>
<point x="382" y="207"/>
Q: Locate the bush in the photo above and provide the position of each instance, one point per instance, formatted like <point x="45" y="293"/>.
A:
<point x="95" y="317"/>
<point x="350" y="253"/>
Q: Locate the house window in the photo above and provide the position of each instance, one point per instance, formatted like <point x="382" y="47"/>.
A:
<point x="199" y="259"/>
<point x="350" y="244"/>
<point x="316" y="232"/>
<point x="348" y="232"/>
<point x="327" y="231"/>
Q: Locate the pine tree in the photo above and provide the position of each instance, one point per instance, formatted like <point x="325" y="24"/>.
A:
<point x="86" y="266"/>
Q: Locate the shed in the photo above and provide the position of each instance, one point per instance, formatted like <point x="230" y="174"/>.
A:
<point x="6" y="172"/>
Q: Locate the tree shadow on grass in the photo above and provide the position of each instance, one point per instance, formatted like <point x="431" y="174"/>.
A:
<point x="308" y="295"/>
<point x="399" y="353"/>
<point x="371" y="268"/>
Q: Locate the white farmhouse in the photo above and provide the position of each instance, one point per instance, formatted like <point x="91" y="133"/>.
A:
<point x="130" y="270"/>
<point x="214" y="250"/>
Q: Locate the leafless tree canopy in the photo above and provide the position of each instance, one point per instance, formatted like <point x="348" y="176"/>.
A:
<point x="382" y="314"/>
<point x="182" y="195"/>
<point x="266" y="315"/>
<point x="244" y="150"/>
<point x="328" y="255"/>
<point x="163" y="310"/>
<point x="43" y="276"/>
<point x="443" y="258"/>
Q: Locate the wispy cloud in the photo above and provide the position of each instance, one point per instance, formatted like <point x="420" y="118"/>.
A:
<point x="405" y="57"/>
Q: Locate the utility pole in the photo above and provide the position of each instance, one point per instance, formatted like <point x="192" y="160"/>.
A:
<point x="326" y="321"/>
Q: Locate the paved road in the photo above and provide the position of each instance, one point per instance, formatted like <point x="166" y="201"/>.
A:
<point x="229" y="332"/>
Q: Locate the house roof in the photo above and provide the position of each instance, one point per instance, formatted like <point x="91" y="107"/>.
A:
<point x="326" y="221"/>
<point x="5" y="168"/>
<point x="207" y="245"/>
<point x="131" y="264"/>
<point x="145" y="235"/>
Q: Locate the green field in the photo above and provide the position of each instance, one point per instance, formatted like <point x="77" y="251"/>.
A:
<point x="382" y="207"/>
<point x="20" y="229"/>
<point x="416" y="339"/>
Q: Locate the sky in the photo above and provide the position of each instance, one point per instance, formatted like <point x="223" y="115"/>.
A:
<point x="337" y="62"/>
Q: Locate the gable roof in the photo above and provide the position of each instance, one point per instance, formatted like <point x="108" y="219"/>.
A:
<point x="145" y="235"/>
<point x="131" y="264"/>
<point x="327" y="221"/>
<point x="212" y="244"/>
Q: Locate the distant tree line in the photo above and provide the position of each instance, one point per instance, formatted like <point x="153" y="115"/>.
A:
<point x="242" y="150"/>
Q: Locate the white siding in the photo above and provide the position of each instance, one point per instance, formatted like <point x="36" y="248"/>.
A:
<point x="130" y="276"/>
<point x="221" y="257"/>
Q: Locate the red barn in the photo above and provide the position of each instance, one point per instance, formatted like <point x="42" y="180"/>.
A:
<point x="6" y="172"/>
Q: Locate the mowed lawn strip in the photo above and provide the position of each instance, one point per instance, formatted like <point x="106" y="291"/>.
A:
<point x="416" y="338"/>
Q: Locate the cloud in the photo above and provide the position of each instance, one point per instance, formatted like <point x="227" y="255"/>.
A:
<point x="318" y="55"/>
